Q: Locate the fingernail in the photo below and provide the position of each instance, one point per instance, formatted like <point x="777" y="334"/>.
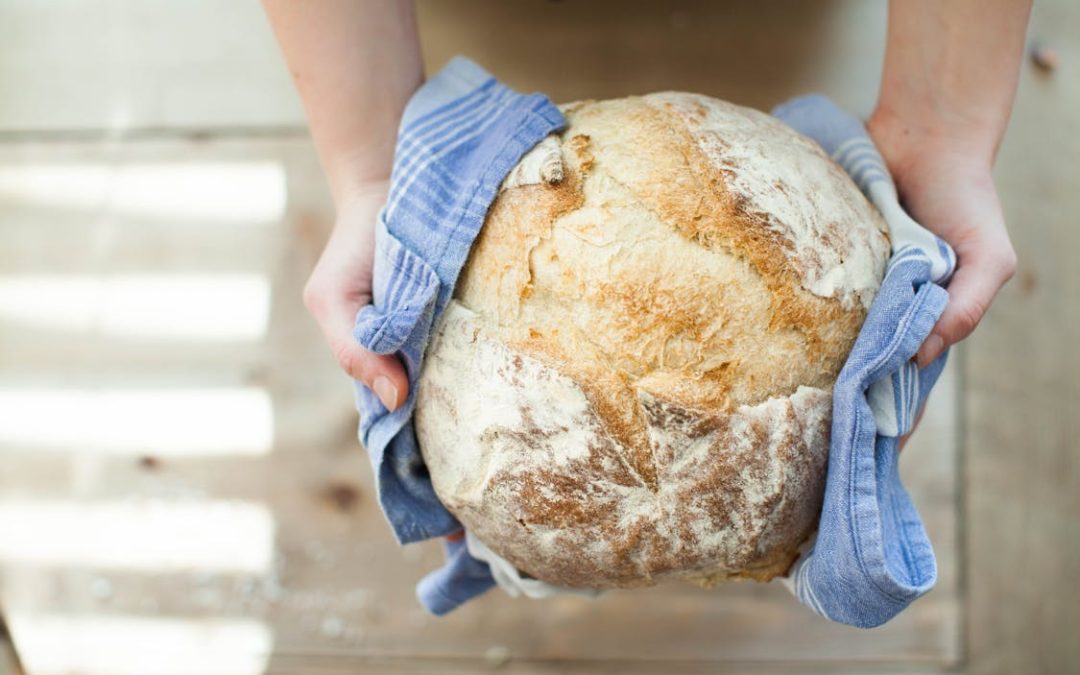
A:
<point x="930" y="350"/>
<point x="386" y="391"/>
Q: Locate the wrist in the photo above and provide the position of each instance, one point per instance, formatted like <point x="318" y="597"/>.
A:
<point x="361" y="193"/>
<point x="356" y="178"/>
<point x="914" y="148"/>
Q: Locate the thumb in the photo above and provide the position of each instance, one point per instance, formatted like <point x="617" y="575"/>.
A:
<point x="383" y="374"/>
<point x="971" y="291"/>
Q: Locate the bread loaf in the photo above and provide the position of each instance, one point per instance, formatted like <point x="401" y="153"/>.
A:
<point x="633" y="379"/>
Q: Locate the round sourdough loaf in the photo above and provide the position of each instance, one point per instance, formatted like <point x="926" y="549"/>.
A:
<point x="633" y="379"/>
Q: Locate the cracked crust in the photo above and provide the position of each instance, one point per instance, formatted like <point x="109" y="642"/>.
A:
<point x="631" y="382"/>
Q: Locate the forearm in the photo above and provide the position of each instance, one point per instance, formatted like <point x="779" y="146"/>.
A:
<point x="950" y="74"/>
<point x="355" y="64"/>
<point x="947" y="89"/>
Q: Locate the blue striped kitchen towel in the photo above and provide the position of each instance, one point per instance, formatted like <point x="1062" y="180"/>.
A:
<point x="460" y="135"/>
<point x="871" y="557"/>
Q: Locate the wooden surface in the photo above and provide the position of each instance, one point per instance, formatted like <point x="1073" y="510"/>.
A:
<point x="332" y="586"/>
<point x="1023" y="373"/>
<point x="286" y="564"/>
<point x="116" y="65"/>
<point x="9" y="658"/>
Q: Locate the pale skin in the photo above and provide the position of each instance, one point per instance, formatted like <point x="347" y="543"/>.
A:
<point x="355" y="63"/>
<point x="948" y="84"/>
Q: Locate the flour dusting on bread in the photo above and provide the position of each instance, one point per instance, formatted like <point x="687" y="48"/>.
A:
<point x="632" y="381"/>
<point x="779" y="173"/>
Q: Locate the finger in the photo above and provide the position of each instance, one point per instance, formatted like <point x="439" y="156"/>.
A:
<point x="971" y="291"/>
<point x="969" y="294"/>
<point x="381" y="373"/>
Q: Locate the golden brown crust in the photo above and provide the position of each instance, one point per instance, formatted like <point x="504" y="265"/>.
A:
<point x="546" y="485"/>
<point x="678" y="311"/>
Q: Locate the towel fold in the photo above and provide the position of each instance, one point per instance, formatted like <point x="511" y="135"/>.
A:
<point x="871" y="557"/>
<point x="461" y="133"/>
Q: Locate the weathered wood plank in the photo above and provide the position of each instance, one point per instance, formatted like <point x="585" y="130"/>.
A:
<point x="1023" y="459"/>
<point x="331" y="665"/>
<point x="119" y="66"/>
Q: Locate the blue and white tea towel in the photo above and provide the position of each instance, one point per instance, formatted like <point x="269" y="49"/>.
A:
<point x="871" y="557"/>
<point x="461" y="135"/>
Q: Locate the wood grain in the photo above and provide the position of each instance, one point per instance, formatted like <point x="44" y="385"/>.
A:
<point x="337" y="596"/>
<point x="1023" y="405"/>
<point x="338" y="584"/>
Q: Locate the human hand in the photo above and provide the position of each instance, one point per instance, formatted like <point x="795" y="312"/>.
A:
<point x="340" y="285"/>
<point x="949" y="189"/>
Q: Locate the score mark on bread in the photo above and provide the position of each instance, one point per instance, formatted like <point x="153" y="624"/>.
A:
<point x="632" y="380"/>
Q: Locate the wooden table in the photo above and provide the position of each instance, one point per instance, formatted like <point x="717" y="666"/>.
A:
<point x="184" y="491"/>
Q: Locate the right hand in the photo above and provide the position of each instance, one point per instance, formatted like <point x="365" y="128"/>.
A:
<point x="947" y="186"/>
<point x="340" y="285"/>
